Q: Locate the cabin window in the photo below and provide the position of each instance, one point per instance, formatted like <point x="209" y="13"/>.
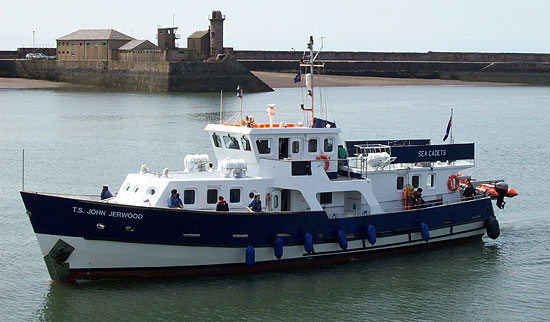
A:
<point x="188" y="197"/>
<point x="329" y="145"/>
<point x="431" y="180"/>
<point x="325" y="198"/>
<point x="295" y="146"/>
<point x="275" y="201"/>
<point x="415" y="181"/>
<point x="246" y="143"/>
<point x="264" y="146"/>
<point x="235" y="195"/>
<point x="230" y="142"/>
<point x="312" y="145"/>
<point x="400" y="182"/>
<point x="217" y="140"/>
<point x="212" y="196"/>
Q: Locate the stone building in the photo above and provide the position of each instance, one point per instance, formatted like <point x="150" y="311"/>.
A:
<point x="216" y="33"/>
<point x="140" y="50"/>
<point x="109" y="44"/>
<point x="91" y="44"/>
<point x="198" y="43"/>
<point x="201" y="45"/>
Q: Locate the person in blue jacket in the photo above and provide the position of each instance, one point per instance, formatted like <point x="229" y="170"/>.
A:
<point x="174" y="201"/>
<point x="105" y="193"/>
<point x="255" y="205"/>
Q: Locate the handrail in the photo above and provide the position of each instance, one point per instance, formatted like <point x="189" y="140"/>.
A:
<point x="435" y="203"/>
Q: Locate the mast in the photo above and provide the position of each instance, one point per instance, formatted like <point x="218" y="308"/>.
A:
<point x="309" y="64"/>
<point x="310" y="85"/>
<point x="240" y="96"/>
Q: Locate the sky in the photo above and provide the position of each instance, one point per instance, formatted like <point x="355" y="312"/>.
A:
<point x="368" y="25"/>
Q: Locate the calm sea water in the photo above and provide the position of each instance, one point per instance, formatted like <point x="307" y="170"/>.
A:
<point x="77" y="140"/>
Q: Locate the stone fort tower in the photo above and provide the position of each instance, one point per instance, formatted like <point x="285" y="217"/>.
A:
<point x="216" y="33"/>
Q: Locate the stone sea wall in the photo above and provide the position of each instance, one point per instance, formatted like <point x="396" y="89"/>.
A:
<point x="490" y="67"/>
<point x="140" y="76"/>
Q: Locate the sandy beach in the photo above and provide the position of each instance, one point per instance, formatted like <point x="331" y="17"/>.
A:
<point x="286" y="80"/>
<point x="278" y="80"/>
<point x="22" y="83"/>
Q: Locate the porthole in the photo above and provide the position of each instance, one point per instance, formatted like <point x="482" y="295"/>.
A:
<point x="151" y="191"/>
<point x="251" y="195"/>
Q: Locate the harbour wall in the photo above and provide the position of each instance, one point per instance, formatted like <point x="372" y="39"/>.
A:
<point x="140" y="76"/>
<point x="492" y="67"/>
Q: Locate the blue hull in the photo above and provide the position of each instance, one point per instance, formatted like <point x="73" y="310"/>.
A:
<point x="54" y="215"/>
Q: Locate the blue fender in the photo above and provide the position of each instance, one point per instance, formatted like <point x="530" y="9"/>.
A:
<point x="250" y="256"/>
<point x="424" y="231"/>
<point x="308" y="243"/>
<point x="278" y="247"/>
<point x="492" y="227"/>
<point x="371" y="234"/>
<point x="342" y="240"/>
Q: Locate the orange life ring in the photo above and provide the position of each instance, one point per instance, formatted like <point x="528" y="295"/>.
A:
<point x="324" y="157"/>
<point x="453" y="182"/>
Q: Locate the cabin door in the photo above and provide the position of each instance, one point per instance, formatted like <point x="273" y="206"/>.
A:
<point x="295" y="146"/>
<point x="285" y="200"/>
<point x="283" y="148"/>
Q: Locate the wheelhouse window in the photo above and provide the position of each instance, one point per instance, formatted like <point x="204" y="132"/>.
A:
<point x="231" y="142"/>
<point x="431" y="180"/>
<point x="400" y="182"/>
<point x="416" y="181"/>
<point x="235" y="195"/>
<point x="312" y="145"/>
<point x="217" y="141"/>
<point x="295" y="146"/>
<point x="188" y="197"/>
<point x="264" y="146"/>
<point x="329" y="145"/>
<point x="325" y="198"/>
<point x="211" y="196"/>
<point x="245" y="143"/>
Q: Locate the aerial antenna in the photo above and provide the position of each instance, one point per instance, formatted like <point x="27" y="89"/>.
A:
<point x="221" y="106"/>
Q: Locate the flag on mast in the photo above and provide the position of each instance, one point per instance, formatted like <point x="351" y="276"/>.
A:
<point x="449" y="125"/>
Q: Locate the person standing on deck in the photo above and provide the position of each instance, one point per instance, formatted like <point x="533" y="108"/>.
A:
<point x="222" y="205"/>
<point x="105" y="193"/>
<point x="174" y="201"/>
<point x="255" y="205"/>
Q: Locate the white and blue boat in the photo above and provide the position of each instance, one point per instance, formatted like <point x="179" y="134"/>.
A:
<point x="323" y="201"/>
